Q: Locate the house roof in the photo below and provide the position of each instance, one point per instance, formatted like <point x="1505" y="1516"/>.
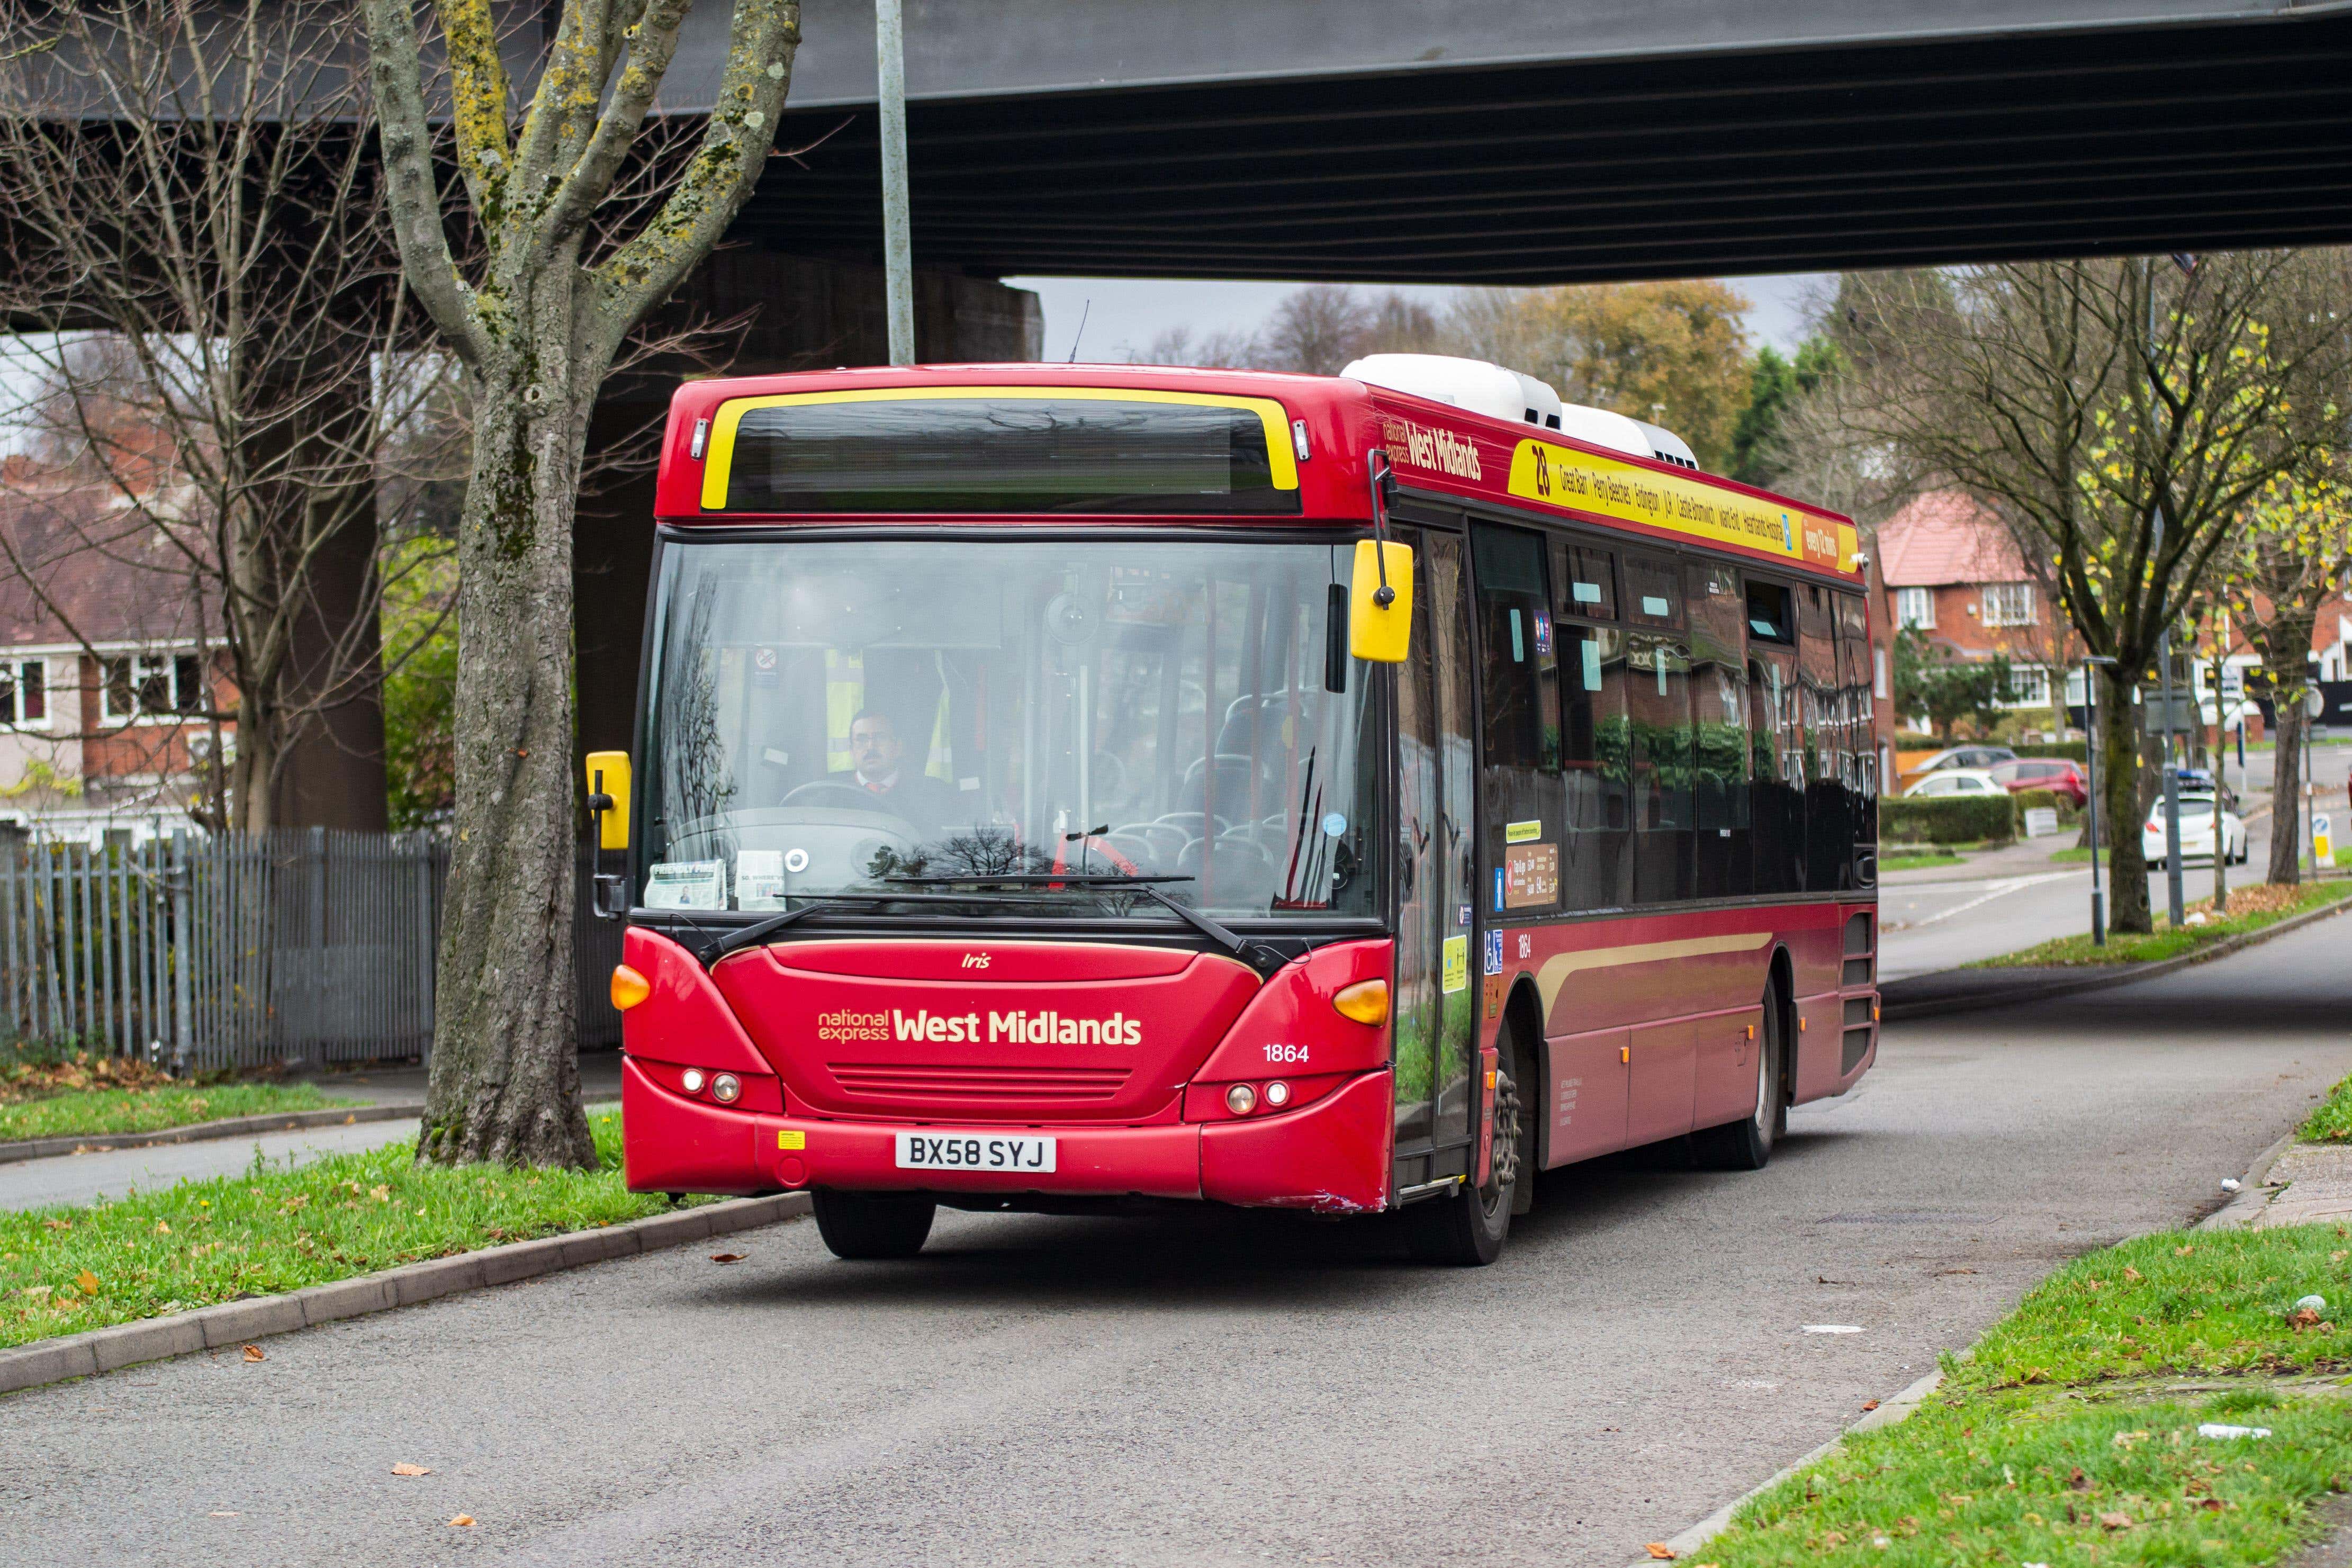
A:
<point x="1946" y="537"/>
<point x="79" y="563"/>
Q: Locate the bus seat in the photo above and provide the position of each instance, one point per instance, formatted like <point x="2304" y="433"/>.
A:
<point x="1235" y="773"/>
<point x="1164" y="841"/>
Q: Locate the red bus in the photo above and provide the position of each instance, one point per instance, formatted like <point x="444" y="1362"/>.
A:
<point x="1075" y="787"/>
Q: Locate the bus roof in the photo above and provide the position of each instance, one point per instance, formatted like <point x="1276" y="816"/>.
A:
<point x="1433" y="448"/>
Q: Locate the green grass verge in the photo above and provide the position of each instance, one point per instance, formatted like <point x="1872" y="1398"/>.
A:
<point x="94" y="1110"/>
<point x="2251" y="909"/>
<point x="1919" y="861"/>
<point x="2080" y="856"/>
<point x="272" y="1229"/>
<point x="2331" y="1122"/>
<point x="2070" y="1437"/>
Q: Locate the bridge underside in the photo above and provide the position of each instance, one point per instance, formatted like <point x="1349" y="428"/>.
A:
<point x="1799" y="159"/>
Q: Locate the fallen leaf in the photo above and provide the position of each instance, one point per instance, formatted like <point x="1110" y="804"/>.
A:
<point x="464" y="1520"/>
<point x="2078" y="1480"/>
<point x="2182" y="1251"/>
<point x="1873" y="1403"/>
<point x="2132" y="1274"/>
<point x="1660" y="1550"/>
<point x="2212" y="1505"/>
<point x="2303" y="1317"/>
<point x="222" y="1513"/>
<point x="727" y="1257"/>
<point x="380" y="1192"/>
<point x="2115" y="1521"/>
<point x="405" y="1468"/>
<point x="86" y="1282"/>
<point x="253" y="1353"/>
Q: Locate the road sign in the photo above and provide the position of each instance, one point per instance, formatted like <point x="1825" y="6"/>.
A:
<point x="2315" y="703"/>
<point x="2323" y="840"/>
<point x="2185" y="719"/>
<point x="2233" y="684"/>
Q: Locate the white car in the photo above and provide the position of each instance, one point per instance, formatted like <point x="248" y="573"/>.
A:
<point x="1947" y="782"/>
<point x="2195" y="832"/>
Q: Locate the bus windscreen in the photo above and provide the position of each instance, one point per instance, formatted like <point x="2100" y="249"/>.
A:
<point x="994" y="454"/>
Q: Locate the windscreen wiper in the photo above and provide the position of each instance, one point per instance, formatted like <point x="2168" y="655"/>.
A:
<point x="1256" y="955"/>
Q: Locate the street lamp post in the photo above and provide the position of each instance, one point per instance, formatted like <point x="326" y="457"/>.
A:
<point x="897" y="243"/>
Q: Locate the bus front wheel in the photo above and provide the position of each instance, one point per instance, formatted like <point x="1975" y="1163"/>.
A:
<point x="1467" y="1225"/>
<point x="873" y="1225"/>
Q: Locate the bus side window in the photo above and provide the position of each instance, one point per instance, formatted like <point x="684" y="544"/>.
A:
<point x="1720" y="814"/>
<point x="1658" y="707"/>
<point x="1596" y="744"/>
<point x="1776" y="766"/>
<point x="1829" y="833"/>
<point x="1862" y="736"/>
<point x="1519" y="693"/>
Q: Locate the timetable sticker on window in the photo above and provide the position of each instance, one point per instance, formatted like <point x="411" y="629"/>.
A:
<point x="1456" y="974"/>
<point x="1530" y="876"/>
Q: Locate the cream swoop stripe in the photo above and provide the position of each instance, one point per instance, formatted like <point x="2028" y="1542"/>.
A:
<point x="1557" y="968"/>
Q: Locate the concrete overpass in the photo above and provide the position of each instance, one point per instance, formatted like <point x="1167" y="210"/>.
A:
<point x="1540" y="140"/>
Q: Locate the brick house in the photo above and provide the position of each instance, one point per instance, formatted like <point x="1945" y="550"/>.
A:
<point x="1952" y="571"/>
<point x="107" y="662"/>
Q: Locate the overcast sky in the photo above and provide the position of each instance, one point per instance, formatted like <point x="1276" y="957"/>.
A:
<point x="1126" y="313"/>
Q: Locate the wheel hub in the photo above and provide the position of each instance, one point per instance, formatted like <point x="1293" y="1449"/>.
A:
<point x="1506" y="1159"/>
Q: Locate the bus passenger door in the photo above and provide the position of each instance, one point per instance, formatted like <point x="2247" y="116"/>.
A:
<point x="1436" y="937"/>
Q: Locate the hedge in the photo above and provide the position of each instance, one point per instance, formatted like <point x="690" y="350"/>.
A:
<point x="1947" y="819"/>
<point x="2072" y="750"/>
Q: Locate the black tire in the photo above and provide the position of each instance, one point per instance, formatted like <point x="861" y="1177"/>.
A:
<point x="873" y="1225"/>
<point x="1747" y="1144"/>
<point x="1465" y="1227"/>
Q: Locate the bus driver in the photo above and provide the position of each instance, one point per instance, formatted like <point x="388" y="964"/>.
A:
<point x="874" y="753"/>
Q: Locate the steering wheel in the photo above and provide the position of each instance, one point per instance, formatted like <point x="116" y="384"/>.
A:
<point x="825" y="793"/>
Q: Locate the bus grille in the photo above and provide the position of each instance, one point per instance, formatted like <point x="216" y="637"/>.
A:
<point x="908" y="1083"/>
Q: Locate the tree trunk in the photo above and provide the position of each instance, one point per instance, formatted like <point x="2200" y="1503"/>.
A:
<point x="2120" y="804"/>
<point x="505" y="1081"/>
<point x="2287" y="791"/>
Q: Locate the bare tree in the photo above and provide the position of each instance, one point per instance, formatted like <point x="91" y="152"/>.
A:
<point x="214" y="322"/>
<point x="2293" y="554"/>
<point x="2086" y="399"/>
<point x="537" y="312"/>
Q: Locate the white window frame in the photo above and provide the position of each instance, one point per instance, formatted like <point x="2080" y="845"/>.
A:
<point x="1916" y="607"/>
<point x="145" y="666"/>
<point x="13" y="670"/>
<point x="2008" y="605"/>
<point x="2038" y="677"/>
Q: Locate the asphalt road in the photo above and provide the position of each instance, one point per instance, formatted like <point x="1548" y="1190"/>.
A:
<point x="1214" y="1389"/>
<point x="2015" y="897"/>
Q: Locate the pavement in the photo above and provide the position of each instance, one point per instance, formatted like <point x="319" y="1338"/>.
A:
<point x="1214" y="1388"/>
<point x="2309" y="1182"/>
<point x="1999" y="900"/>
<point x="86" y="1178"/>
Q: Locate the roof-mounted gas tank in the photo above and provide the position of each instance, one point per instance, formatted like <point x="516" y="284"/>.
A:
<point x="1491" y="389"/>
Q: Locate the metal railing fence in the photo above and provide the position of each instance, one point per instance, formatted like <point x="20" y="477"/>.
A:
<point x="234" y="951"/>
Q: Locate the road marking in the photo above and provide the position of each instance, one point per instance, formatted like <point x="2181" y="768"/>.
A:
<point x="1997" y="890"/>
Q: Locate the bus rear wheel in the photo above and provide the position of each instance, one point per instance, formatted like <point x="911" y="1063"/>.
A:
<point x="873" y="1225"/>
<point x="1747" y="1144"/>
<point x="1466" y="1226"/>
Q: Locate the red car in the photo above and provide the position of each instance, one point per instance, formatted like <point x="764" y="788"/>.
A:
<point x="2058" y="776"/>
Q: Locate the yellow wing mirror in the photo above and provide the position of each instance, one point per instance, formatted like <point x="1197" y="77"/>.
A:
<point x="608" y="797"/>
<point x="1380" y="602"/>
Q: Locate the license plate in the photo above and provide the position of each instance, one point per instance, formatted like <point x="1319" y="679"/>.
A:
<point x="974" y="1151"/>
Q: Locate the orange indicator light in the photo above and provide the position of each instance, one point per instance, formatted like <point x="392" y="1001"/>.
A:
<point x="629" y="987"/>
<point x="1367" y="1002"/>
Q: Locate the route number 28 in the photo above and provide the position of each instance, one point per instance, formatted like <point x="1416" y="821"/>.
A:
<point x="1287" y="1054"/>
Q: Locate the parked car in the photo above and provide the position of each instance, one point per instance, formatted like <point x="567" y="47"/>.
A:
<point x="1966" y="757"/>
<point x="1950" y="781"/>
<point x="2058" y="776"/>
<point x="2196" y="831"/>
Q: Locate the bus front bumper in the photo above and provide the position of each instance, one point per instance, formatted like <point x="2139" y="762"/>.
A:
<point x="1330" y="1157"/>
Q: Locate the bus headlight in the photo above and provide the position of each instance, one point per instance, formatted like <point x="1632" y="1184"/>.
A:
<point x="1277" y="1095"/>
<point x="691" y="1080"/>
<point x="726" y="1088"/>
<point x="1241" y="1099"/>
